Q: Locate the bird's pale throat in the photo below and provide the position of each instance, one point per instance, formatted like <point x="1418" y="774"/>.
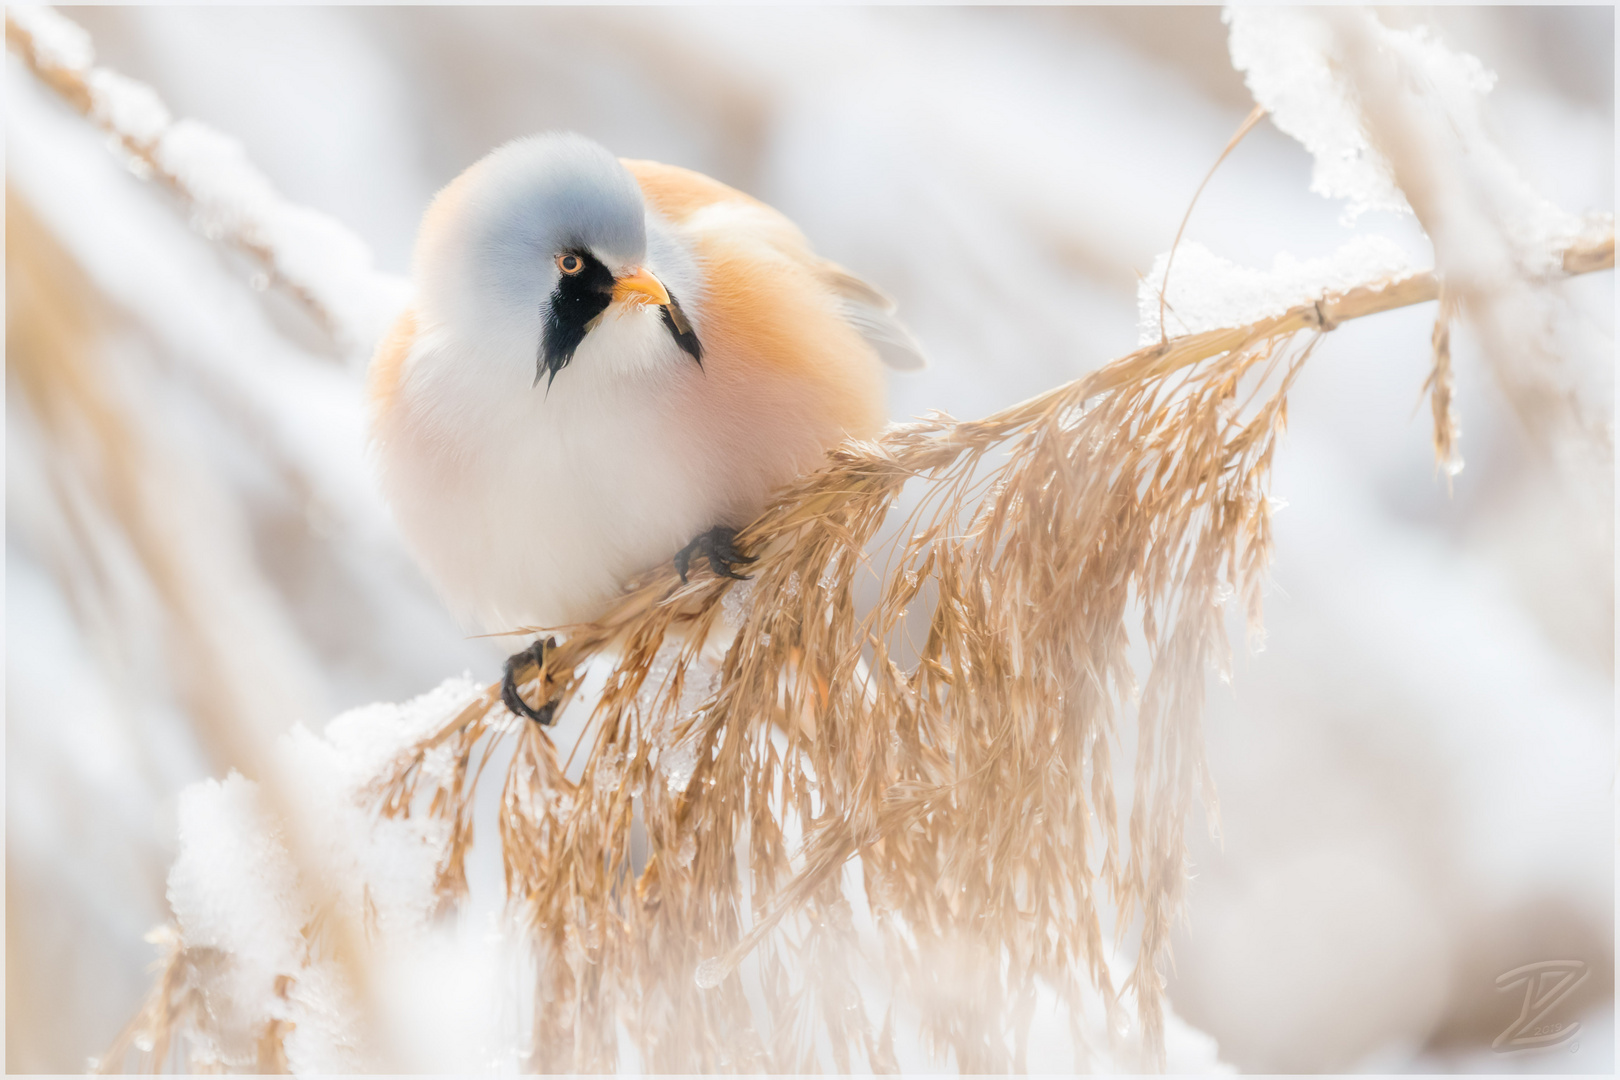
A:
<point x="578" y="302"/>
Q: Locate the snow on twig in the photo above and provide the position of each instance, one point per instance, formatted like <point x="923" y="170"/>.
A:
<point x="312" y="256"/>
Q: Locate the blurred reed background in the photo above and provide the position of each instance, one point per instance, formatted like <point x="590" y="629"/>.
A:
<point x="1416" y="775"/>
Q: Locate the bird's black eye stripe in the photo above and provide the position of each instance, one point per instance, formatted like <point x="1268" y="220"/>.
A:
<point x="580" y="296"/>
<point x="582" y="293"/>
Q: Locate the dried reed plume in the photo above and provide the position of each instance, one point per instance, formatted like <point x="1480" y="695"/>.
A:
<point x="969" y="775"/>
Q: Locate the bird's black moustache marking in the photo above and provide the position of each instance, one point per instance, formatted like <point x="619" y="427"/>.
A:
<point x="681" y="330"/>
<point x="575" y="303"/>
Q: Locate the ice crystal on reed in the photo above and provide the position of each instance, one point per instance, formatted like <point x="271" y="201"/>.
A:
<point x="710" y="973"/>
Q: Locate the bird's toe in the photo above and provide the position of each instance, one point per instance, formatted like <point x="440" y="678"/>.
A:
<point x="536" y="655"/>
<point x="719" y="547"/>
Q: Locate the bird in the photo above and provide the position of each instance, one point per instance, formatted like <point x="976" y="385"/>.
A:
<point x="606" y="365"/>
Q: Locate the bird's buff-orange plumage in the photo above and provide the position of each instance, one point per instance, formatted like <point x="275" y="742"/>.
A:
<point x="529" y="500"/>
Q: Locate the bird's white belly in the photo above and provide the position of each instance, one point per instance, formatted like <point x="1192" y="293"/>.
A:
<point x="589" y="502"/>
<point x="532" y="507"/>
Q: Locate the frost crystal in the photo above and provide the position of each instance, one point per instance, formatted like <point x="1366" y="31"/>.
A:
<point x="687" y="851"/>
<point x="678" y="763"/>
<point x="609" y="772"/>
<point x="1208" y="292"/>
<point x="734" y="605"/>
<point x="710" y="974"/>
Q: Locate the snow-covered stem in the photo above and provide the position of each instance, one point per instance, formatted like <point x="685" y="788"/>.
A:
<point x="237" y="206"/>
<point x="1255" y="116"/>
<point x="310" y="256"/>
<point x="1586" y="255"/>
<point x="1396" y="120"/>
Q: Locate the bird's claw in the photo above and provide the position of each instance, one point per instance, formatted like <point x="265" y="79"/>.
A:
<point x="535" y="654"/>
<point x="719" y="546"/>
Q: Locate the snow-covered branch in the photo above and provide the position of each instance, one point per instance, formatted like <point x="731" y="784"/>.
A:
<point x="312" y="256"/>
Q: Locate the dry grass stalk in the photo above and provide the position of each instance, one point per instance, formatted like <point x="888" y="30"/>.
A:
<point x="164" y="1033"/>
<point x="1255" y="116"/>
<point x="133" y="115"/>
<point x="1441" y="385"/>
<point x="102" y="475"/>
<point x="968" y="776"/>
<point x="112" y="488"/>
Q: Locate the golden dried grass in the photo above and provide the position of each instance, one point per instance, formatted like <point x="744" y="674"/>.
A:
<point x="701" y="856"/>
<point x="969" y="777"/>
<point x="1441" y="385"/>
<point x="102" y="473"/>
<point x="116" y="492"/>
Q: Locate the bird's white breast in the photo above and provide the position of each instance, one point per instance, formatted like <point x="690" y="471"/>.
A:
<point x="530" y="505"/>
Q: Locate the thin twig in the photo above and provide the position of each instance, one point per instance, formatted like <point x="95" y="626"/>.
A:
<point x="1244" y="128"/>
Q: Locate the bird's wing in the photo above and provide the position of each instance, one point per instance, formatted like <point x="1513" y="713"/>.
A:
<point x="871" y="313"/>
<point x="680" y="193"/>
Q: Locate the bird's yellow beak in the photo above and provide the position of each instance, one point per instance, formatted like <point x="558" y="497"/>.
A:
<point x="640" y="287"/>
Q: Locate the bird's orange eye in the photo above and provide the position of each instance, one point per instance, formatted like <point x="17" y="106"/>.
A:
<point x="570" y="264"/>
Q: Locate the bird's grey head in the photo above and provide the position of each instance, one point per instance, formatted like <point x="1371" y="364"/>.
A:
<point x="532" y="244"/>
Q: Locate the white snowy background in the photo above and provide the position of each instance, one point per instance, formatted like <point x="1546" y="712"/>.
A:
<point x="1416" y="775"/>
